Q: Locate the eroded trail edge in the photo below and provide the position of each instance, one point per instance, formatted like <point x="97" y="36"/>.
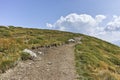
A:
<point x="57" y="63"/>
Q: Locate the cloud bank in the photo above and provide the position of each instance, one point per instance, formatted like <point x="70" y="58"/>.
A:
<point x="113" y="25"/>
<point x="86" y="24"/>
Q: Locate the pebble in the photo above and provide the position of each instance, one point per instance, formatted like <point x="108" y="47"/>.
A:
<point x="47" y="69"/>
<point x="49" y="63"/>
<point x="30" y="63"/>
<point x="40" y="52"/>
<point x="40" y="59"/>
<point x="37" y="66"/>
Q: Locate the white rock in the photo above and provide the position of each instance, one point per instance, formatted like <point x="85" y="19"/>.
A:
<point x="30" y="63"/>
<point x="71" y="40"/>
<point x="30" y="52"/>
<point x="49" y="63"/>
<point x="40" y="52"/>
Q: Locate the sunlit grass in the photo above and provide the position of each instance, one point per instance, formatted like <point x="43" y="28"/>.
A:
<point x="97" y="60"/>
<point x="13" y="40"/>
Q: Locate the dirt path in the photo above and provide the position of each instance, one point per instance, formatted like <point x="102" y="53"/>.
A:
<point x="56" y="64"/>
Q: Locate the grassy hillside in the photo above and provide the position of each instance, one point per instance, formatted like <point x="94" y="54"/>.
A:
<point x="14" y="39"/>
<point x="97" y="60"/>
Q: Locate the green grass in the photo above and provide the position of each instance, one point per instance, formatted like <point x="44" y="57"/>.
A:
<point x="25" y="56"/>
<point x="97" y="59"/>
<point x="13" y="40"/>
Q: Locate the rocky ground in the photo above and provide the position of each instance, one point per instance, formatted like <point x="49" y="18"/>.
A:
<point x="56" y="63"/>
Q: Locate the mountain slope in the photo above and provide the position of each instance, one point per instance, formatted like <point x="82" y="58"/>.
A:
<point x="95" y="59"/>
<point x="13" y="40"/>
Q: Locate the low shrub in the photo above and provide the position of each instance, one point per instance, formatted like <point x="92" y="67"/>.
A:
<point x="6" y="64"/>
<point x="25" y="56"/>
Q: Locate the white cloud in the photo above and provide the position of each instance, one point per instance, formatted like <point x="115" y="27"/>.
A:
<point x="109" y="36"/>
<point x="113" y="25"/>
<point x="100" y="18"/>
<point x="49" y="25"/>
<point x="87" y="24"/>
<point x="82" y="23"/>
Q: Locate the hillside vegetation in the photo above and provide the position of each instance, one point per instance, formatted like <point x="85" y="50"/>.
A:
<point x="13" y="40"/>
<point x="95" y="59"/>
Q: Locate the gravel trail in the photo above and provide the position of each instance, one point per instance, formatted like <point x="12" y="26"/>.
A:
<point x="57" y="63"/>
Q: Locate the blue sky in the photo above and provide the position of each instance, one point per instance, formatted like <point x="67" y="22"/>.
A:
<point x="38" y="13"/>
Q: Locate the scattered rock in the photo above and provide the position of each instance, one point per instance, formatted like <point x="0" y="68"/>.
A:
<point x="30" y="52"/>
<point x="40" y="52"/>
<point x="47" y="69"/>
<point x="30" y="63"/>
<point x="40" y="59"/>
<point x="71" y="40"/>
<point x="49" y="63"/>
<point x="37" y="66"/>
